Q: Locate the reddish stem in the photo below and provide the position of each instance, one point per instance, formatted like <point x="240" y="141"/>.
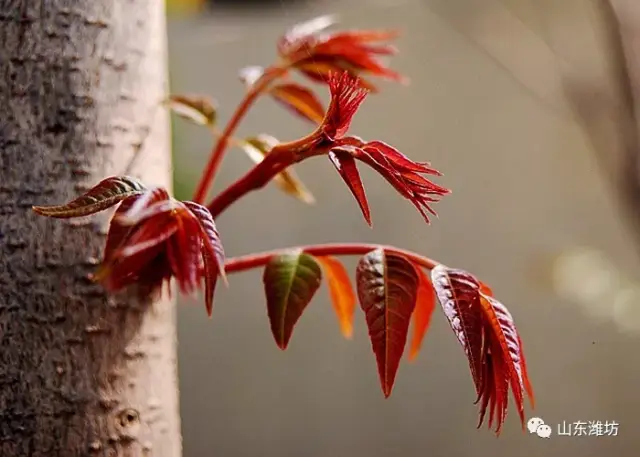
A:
<point x="279" y="158"/>
<point x="218" y="151"/>
<point x="247" y="262"/>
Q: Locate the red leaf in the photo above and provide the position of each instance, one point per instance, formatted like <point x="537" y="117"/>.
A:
<point x="486" y="330"/>
<point x="457" y="292"/>
<point x="387" y="290"/>
<point x="422" y="313"/>
<point x="345" y="164"/>
<point x="106" y="193"/>
<point x="184" y="251"/>
<point x="212" y="252"/>
<point x="299" y="99"/>
<point x="141" y="247"/>
<point x="210" y="234"/>
<point x="346" y="98"/>
<point x="320" y="70"/>
<point x="485" y="289"/>
<point x="149" y="204"/>
<point x="118" y="232"/>
<point x="508" y="344"/>
<point x="290" y="282"/>
<point x="342" y="296"/>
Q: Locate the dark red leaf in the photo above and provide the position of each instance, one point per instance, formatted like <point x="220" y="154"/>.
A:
<point x="507" y="342"/>
<point x="184" y="251"/>
<point x="342" y="296"/>
<point x="118" y="232"/>
<point x="486" y="330"/>
<point x="290" y="282"/>
<point x="422" y="313"/>
<point x="457" y="292"/>
<point x="210" y="234"/>
<point x="106" y="193"/>
<point x="387" y="286"/>
<point x="151" y="203"/>
<point x="300" y="100"/>
<point x="345" y="164"/>
<point x="142" y="246"/>
<point x="212" y="252"/>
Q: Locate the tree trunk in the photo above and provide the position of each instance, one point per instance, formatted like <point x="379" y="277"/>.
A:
<point x="81" y="374"/>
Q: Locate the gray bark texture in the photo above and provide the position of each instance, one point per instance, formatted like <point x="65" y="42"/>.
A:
<point x="81" y="373"/>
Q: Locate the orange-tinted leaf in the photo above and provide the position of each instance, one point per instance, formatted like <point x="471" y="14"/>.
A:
<point x="287" y="181"/>
<point x="341" y="291"/>
<point x="387" y="286"/>
<point x="299" y="99"/>
<point x="290" y="282"/>
<point x="345" y="164"/>
<point x="103" y="195"/>
<point x="212" y="252"/>
<point x="485" y="289"/>
<point x="198" y="109"/>
<point x="422" y="313"/>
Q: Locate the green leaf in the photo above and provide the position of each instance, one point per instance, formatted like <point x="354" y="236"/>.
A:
<point x="290" y="282"/>
<point x="257" y="148"/>
<point x="197" y="109"/>
<point x="387" y="285"/>
<point x="103" y="195"/>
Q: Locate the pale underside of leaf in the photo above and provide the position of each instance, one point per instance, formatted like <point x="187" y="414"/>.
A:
<point x="197" y="109"/>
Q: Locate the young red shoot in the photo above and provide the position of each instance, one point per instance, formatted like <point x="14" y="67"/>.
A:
<point x="154" y="238"/>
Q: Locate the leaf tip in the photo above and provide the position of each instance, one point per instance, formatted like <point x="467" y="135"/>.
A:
<point x="386" y="391"/>
<point x="347" y="331"/>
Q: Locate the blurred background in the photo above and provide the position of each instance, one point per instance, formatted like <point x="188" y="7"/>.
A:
<point x="523" y="106"/>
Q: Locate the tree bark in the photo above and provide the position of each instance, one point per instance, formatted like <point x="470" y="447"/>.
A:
<point x="81" y="373"/>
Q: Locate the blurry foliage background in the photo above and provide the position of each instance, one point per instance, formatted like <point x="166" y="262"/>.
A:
<point x="533" y="214"/>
